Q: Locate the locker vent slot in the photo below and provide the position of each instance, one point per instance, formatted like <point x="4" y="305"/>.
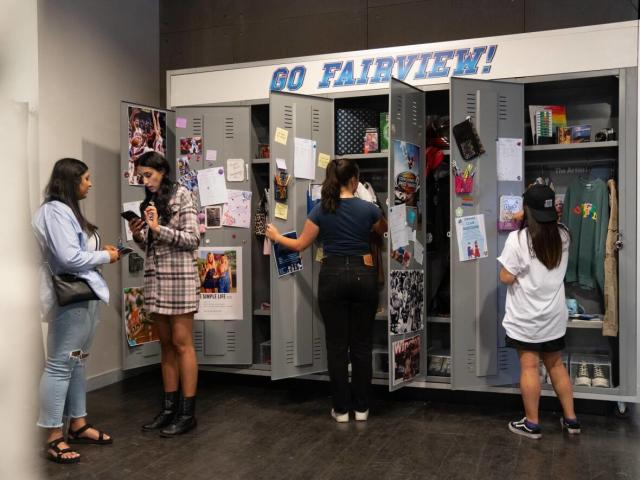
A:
<point x="471" y="106"/>
<point x="503" y="358"/>
<point x="317" y="349"/>
<point x="471" y="360"/>
<point x="231" y="341"/>
<point x="315" y="120"/>
<point x="288" y="116"/>
<point x="198" y="341"/>
<point x="503" y="107"/>
<point x="197" y="125"/>
<point x="288" y="352"/>
<point x="414" y="113"/>
<point x="399" y="107"/>
<point x="229" y="128"/>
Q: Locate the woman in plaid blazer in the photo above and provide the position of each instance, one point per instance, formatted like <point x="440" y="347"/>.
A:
<point x="171" y="287"/>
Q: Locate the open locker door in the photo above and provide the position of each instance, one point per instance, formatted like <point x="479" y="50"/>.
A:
<point x="138" y="351"/>
<point x="222" y="329"/>
<point x="297" y="331"/>
<point x="480" y="358"/>
<point x="406" y="280"/>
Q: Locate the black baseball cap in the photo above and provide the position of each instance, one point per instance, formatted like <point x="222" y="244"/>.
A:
<point x="541" y="202"/>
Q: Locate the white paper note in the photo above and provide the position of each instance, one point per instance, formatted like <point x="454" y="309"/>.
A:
<point x="509" y="159"/>
<point x="235" y="170"/>
<point x="316" y="192"/>
<point x="418" y="251"/>
<point x="237" y="211"/>
<point x="281" y="164"/>
<point x="304" y="159"/>
<point x="212" y="187"/>
<point x="134" y="207"/>
<point x="212" y="155"/>
<point x="398" y="226"/>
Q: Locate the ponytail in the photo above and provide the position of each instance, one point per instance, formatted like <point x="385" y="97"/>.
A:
<point x="339" y="173"/>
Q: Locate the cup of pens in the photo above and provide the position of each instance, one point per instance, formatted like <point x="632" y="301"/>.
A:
<point x="463" y="180"/>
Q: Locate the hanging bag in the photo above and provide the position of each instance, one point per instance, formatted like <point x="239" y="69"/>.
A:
<point x="260" y="218"/>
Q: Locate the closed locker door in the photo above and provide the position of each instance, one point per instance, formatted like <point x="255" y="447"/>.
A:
<point x="406" y="281"/>
<point x="297" y="331"/>
<point x="479" y="356"/>
<point x="223" y="324"/>
<point x="141" y="347"/>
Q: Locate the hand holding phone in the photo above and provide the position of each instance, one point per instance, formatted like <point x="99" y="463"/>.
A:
<point x="130" y="215"/>
<point x="124" y="251"/>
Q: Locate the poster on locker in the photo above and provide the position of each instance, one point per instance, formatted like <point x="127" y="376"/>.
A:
<point x="407" y="166"/>
<point x="237" y="211"/>
<point x="472" y="238"/>
<point x="220" y="273"/>
<point x="406" y="359"/>
<point x="138" y="325"/>
<point x="406" y="301"/>
<point x="147" y="133"/>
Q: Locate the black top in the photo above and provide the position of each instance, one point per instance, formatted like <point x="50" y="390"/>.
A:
<point x="346" y="232"/>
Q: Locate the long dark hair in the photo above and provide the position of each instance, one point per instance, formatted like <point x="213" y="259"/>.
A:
<point x="63" y="187"/>
<point x="545" y="239"/>
<point x="339" y="173"/>
<point x="167" y="188"/>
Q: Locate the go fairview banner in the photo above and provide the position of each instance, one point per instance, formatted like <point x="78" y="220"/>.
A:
<point x="581" y="49"/>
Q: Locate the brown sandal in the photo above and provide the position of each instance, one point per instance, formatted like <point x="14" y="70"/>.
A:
<point x="74" y="437"/>
<point x="58" y="456"/>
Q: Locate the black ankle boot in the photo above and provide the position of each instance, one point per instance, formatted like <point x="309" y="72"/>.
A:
<point x="166" y="416"/>
<point x="184" y="421"/>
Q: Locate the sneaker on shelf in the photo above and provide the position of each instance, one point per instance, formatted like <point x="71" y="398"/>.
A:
<point x="599" y="380"/>
<point x="340" y="417"/>
<point x="571" y="426"/>
<point x="361" y="416"/>
<point x="526" y="429"/>
<point x="582" y="378"/>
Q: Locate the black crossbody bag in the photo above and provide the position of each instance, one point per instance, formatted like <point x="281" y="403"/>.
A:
<point x="70" y="288"/>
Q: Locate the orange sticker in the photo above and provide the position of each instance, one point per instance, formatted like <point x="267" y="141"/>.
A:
<point x="368" y="260"/>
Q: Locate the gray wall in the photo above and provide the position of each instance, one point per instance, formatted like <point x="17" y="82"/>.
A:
<point x="92" y="55"/>
<point x="197" y="33"/>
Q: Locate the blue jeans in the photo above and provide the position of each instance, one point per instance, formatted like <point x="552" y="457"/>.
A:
<point x="63" y="386"/>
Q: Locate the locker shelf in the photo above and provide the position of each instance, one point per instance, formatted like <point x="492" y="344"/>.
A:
<point x="260" y="161"/>
<point x="261" y="312"/>
<point x="438" y="319"/>
<point x="364" y="156"/>
<point x="591" y="324"/>
<point x="437" y="379"/>
<point x="570" y="146"/>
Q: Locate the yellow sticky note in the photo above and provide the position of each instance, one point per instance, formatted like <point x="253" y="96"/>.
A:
<point x="319" y="254"/>
<point x="281" y="135"/>
<point x="282" y="210"/>
<point x="323" y="160"/>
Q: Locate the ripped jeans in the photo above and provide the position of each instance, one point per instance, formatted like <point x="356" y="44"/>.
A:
<point x="63" y="386"/>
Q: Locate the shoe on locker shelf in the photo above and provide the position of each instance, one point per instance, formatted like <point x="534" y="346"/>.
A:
<point x="571" y="426"/>
<point x="599" y="380"/>
<point x="340" y="417"/>
<point x="583" y="379"/>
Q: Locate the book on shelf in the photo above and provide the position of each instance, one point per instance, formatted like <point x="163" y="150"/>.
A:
<point x="557" y="117"/>
<point x="580" y="133"/>
<point x="564" y="135"/>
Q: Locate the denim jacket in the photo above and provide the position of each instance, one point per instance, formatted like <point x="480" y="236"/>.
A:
<point x="64" y="247"/>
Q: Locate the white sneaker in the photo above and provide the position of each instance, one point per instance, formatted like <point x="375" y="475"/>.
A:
<point x="340" y="417"/>
<point x="362" y="416"/>
<point x="582" y="378"/>
<point x="599" y="380"/>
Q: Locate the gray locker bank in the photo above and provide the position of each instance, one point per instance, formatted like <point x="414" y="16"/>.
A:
<point x="490" y="81"/>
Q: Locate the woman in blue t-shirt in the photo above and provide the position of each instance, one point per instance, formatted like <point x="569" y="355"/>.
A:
<point x="347" y="290"/>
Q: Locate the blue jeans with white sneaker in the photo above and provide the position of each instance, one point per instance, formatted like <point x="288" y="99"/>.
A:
<point x="63" y="386"/>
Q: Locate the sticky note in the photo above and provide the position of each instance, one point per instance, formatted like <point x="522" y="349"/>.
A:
<point x="181" y="122"/>
<point x="212" y="155"/>
<point x="282" y="210"/>
<point x="323" y="160"/>
<point x="281" y="135"/>
<point x="281" y="164"/>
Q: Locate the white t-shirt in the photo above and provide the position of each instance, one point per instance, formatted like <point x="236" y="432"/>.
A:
<point x="536" y="309"/>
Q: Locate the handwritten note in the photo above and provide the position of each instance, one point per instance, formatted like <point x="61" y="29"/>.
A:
<point x="235" y="170"/>
<point x="212" y="187"/>
<point x="281" y="136"/>
<point x="282" y="210"/>
<point x="323" y="160"/>
<point x="304" y="158"/>
<point x="398" y="226"/>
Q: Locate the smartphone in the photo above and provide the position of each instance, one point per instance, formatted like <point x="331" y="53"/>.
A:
<point x="125" y="251"/>
<point x="130" y="215"/>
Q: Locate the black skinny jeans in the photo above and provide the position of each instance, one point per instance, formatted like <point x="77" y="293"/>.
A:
<point x="348" y="300"/>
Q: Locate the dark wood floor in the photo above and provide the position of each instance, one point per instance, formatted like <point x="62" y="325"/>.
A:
<point x="251" y="428"/>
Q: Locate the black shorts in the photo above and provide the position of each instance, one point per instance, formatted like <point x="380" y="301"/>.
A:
<point x="554" y="345"/>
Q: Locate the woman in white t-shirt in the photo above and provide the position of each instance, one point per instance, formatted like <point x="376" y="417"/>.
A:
<point x="534" y="263"/>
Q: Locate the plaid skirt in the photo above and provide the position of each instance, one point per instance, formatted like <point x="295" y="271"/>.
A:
<point x="171" y="283"/>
